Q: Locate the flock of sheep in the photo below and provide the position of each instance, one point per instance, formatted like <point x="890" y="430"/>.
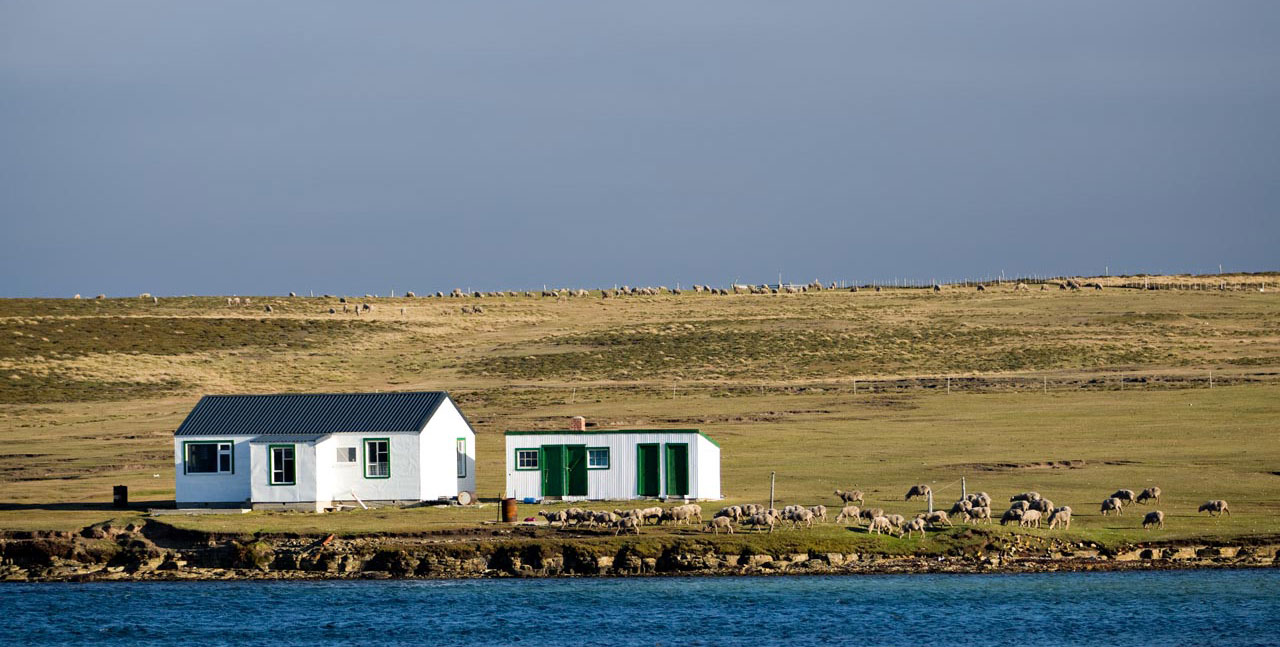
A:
<point x="1026" y="509"/>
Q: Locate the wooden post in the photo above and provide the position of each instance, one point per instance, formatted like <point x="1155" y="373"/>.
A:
<point x="964" y="490"/>
<point x="1211" y="379"/>
<point x="772" y="478"/>
<point x="930" y="501"/>
<point x="1046" y="385"/>
<point x="948" y="385"/>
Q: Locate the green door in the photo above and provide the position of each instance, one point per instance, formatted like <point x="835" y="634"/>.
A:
<point x="576" y="469"/>
<point x="552" y="470"/>
<point x="648" y="478"/>
<point x="677" y="469"/>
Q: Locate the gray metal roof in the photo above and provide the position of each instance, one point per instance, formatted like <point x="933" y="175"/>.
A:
<point x="310" y="413"/>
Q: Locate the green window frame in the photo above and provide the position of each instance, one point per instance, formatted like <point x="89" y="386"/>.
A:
<point x="283" y="463"/>
<point x="225" y="449"/>
<point x="377" y="455"/>
<point x="537" y="459"/>
<point x="462" y="458"/>
<point x="593" y="453"/>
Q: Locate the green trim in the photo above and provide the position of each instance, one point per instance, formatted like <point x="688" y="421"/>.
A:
<point x="187" y="456"/>
<point x="672" y="477"/>
<point x="640" y="477"/>
<point x="364" y="445"/>
<point x="554" y="432"/>
<point x="271" y="463"/>
<point x="608" y="458"/>
<point x="464" y="457"/>
<point x="516" y="457"/>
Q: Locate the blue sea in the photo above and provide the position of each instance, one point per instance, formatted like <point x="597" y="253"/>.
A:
<point x="1218" y="607"/>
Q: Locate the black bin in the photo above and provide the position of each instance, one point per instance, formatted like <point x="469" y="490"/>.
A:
<point x="120" y="496"/>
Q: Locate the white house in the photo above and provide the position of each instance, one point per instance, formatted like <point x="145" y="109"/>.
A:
<point x="310" y="451"/>
<point x="612" y="465"/>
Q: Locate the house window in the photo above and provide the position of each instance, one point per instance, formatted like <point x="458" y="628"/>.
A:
<point x="598" y="458"/>
<point x="346" y="454"/>
<point x="526" y="459"/>
<point x="284" y="470"/>
<point x="208" y="458"/>
<point x="462" y="457"/>
<point x="377" y="458"/>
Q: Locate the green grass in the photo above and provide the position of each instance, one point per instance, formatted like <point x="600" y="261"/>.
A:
<point x="771" y="378"/>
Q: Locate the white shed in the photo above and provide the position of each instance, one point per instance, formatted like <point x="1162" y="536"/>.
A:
<point x="310" y="451"/>
<point x="612" y="465"/>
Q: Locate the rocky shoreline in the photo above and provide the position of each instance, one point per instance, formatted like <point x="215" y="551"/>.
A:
<point x="152" y="551"/>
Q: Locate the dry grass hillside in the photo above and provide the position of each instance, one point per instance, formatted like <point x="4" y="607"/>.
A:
<point x="1075" y="393"/>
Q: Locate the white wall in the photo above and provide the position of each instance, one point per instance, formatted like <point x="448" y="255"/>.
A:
<point x="439" y="458"/>
<point x="198" y="489"/>
<point x="304" y="487"/>
<point x="619" y="481"/>
<point x="404" y="484"/>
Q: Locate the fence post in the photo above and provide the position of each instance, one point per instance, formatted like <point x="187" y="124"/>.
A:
<point x="964" y="489"/>
<point x="1046" y="385"/>
<point x="772" y="478"/>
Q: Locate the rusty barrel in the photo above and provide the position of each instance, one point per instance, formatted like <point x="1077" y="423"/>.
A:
<point x="509" y="510"/>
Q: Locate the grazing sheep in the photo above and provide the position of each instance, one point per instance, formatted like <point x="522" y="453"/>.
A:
<point x="801" y="516"/>
<point x="819" y="512"/>
<point x="332" y="311"/>
<point x="880" y="525"/>
<point x="976" y="514"/>
<point x="752" y="508"/>
<point x="758" y="520"/>
<point x="1112" y="505"/>
<point x="1218" y="506"/>
<point x="720" y="523"/>
<point x="653" y="514"/>
<point x="914" y="525"/>
<point x="850" y="496"/>
<point x="623" y="524"/>
<point x="1153" y="518"/>
<point x="1020" y="505"/>
<point x="553" y="518"/>
<point x="1043" y="506"/>
<point x="1150" y="494"/>
<point x="960" y="506"/>
<point x="1126" y="496"/>
<point x="920" y="490"/>
<point x="980" y="499"/>
<point x="695" y="511"/>
<point x="872" y="513"/>
<point x="408" y="295"/>
<point x="733" y="512"/>
<point x="896" y="519"/>
<point x="1030" y="518"/>
<point x="981" y="289"/>
<point x="1025" y="496"/>
<point x="77" y="297"/>
<point x="1060" y="517"/>
<point x="849" y="512"/>
<point x="1011" y="515"/>
<point x="267" y="309"/>
<point x="936" y="518"/>
<point x="937" y="288"/>
<point x="101" y="297"/>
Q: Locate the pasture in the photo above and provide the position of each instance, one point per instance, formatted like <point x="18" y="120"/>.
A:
<point x="1072" y="394"/>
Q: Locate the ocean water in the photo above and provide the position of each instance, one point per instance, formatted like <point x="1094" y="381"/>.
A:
<point x="1218" y="607"/>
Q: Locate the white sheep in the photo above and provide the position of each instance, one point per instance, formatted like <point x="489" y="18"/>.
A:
<point x="1060" y="517"/>
<point x="758" y="520"/>
<point x="849" y="512"/>
<point x="1149" y="494"/>
<point x="880" y="525"/>
<point x="1112" y="504"/>
<point x="914" y="525"/>
<point x="1010" y="516"/>
<point x="919" y="490"/>
<point x="1025" y="496"/>
<point x="716" y="524"/>
<point x="850" y="496"/>
<point x="976" y="514"/>
<point x="1153" y="518"/>
<point x="819" y="512"/>
<point x="1218" y="506"/>
<point x="1030" y="518"/>
<point x="1127" y="496"/>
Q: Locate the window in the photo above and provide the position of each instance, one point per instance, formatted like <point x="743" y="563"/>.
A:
<point x="526" y="459"/>
<point x="462" y="457"/>
<point x="284" y="470"/>
<point x="346" y="454"/>
<point x="597" y="458"/>
<point x="377" y="458"/>
<point x="208" y="458"/>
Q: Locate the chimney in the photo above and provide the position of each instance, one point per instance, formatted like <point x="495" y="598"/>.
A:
<point x="577" y="423"/>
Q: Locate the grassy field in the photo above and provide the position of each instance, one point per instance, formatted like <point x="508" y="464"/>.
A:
<point x="830" y="389"/>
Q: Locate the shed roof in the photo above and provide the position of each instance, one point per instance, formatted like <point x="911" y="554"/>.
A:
<point x="310" y="413"/>
<point x="552" y="432"/>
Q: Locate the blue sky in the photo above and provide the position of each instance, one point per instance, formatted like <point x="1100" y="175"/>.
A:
<point x="248" y="147"/>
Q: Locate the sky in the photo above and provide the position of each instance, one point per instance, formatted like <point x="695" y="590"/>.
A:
<point x="246" y="147"/>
